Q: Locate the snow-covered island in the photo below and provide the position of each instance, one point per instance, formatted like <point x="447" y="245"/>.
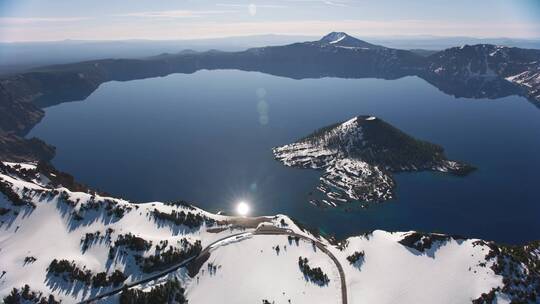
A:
<point x="358" y="157"/>
<point x="58" y="244"/>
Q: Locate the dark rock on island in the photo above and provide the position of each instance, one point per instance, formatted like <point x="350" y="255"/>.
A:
<point x="358" y="157"/>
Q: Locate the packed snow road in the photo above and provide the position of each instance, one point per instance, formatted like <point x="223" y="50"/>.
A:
<point x="262" y="230"/>
<point x="164" y="272"/>
<point x="280" y="231"/>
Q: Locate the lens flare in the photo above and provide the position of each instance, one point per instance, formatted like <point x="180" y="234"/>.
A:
<point x="252" y="9"/>
<point x="242" y="208"/>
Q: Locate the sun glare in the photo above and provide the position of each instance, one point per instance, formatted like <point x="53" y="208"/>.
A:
<point x="242" y="208"/>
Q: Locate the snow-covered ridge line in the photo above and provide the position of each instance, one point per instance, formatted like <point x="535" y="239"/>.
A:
<point x="48" y="223"/>
<point x="259" y="258"/>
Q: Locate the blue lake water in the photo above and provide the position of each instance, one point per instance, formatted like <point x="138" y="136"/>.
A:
<point x="207" y="138"/>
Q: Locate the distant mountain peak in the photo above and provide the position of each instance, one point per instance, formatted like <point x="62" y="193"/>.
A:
<point x="335" y="37"/>
<point x="342" y="39"/>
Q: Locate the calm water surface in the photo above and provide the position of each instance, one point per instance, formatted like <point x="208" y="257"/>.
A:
<point x="207" y="138"/>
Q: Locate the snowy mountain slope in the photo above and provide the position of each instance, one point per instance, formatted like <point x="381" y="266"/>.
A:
<point x="341" y="39"/>
<point x="240" y="259"/>
<point x="358" y="155"/>
<point x="450" y="270"/>
<point x="488" y="70"/>
<point x="264" y="274"/>
<point x="46" y="226"/>
<point x="530" y="80"/>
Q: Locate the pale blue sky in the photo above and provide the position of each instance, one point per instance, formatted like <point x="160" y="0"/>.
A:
<point x="32" y="20"/>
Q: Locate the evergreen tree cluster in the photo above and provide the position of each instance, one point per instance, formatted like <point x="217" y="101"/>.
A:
<point x="29" y="260"/>
<point x="189" y="219"/>
<point x="14" y="198"/>
<point x="314" y="274"/>
<point x="169" y="292"/>
<point x="424" y="241"/>
<point x="4" y="211"/>
<point x="77" y="216"/>
<point x="69" y="271"/>
<point x="90" y="238"/>
<point x="295" y="238"/>
<point x="132" y="242"/>
<point x="487" y="298"/>
<point x="91" y="204"/>
<point x="170" y="257"/>
<point x="64" y="197"/>
<point x="25" y="295"/>
<point x="162" y="245"/>
<point x="355" y="257"/>
<point x="180" y="203"/>
<point x="116" y="210"/>
<point x="17" y="169"/>
<point x="520" y="268"/>
<point x="112" y="208"/>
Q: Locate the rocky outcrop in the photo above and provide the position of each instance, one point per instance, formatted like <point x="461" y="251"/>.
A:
<point x="17" y="149"/>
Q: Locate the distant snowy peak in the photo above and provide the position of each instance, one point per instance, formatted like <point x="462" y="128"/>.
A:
<point x="341" y="39"/>
<point x="334" y="37"/>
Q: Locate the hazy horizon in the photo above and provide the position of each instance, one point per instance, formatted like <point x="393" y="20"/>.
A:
<point x="18" y="56"/>
<point x="33" y="20"/>
<point x="311" y="37"/>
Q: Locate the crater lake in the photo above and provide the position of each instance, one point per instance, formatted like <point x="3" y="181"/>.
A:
<point x="207" y="138"/>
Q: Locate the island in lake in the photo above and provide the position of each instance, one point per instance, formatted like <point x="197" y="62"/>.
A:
<point x="358" y="157"/>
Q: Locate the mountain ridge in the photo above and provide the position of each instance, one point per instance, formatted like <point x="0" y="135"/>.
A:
<point x="78" y="246"/>
<point x="467" y="71"/>
<point x="342" y="39"/>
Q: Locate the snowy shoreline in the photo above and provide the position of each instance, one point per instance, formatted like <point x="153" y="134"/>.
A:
<point x="50" y="222"/>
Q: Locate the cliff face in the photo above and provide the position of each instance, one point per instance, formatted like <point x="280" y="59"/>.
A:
<point x="14" y="148"/>
<point x="18" y="116"/>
